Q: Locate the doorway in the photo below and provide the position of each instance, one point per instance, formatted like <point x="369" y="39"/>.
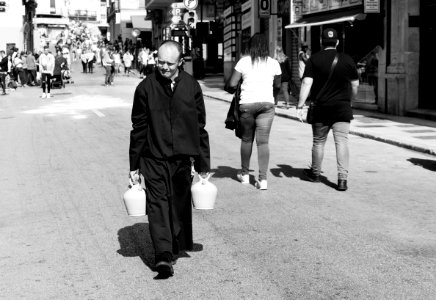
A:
<point x="427" y="49"/>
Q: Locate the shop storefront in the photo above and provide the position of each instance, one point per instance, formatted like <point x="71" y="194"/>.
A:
<point x="428" y="50"/>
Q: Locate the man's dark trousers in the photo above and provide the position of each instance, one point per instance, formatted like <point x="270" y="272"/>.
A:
<point x="3" y="81"/>
<point x="169" y="209"/>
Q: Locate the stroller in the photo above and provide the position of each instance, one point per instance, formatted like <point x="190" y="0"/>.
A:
<point x="59" y="81"/>
<point x="66" y="76"/>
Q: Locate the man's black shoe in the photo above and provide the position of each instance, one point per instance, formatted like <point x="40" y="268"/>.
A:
<point x="164" y="268"/>
<point x="310" y="176"/>
<point x="164" y="264"/>
<point x="342" y="185"/>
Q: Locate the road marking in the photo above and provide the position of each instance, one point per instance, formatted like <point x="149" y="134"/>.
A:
<point x="98" y="113"/>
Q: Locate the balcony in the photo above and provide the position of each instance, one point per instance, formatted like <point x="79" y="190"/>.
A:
<point x="82" y="15"/>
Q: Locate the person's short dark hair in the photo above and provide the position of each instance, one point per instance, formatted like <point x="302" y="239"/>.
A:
<point x="46" y="47"/>
<point x="304" y="47"/>
<point x="175" y="44"/>
<point x="329" y="37"/>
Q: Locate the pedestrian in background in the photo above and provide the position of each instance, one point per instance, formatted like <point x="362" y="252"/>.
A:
<point x="127" y="60"/>
<point x="46" y="62"/>
<point x="91" y="61"/>
<point x="332" y="95"/>
<point x="31" y="68"/>
<point x="19" y="68"/>
<point x="168" y="120"/>
<point x="84" y="60"/>
<point x="117" y="61"/>
<point x="107" y="64"/>
<point x="4" y="61"/>
<point x="285" y="66"/>
<point x="143" y="61"/>
<point x="60" y="65"/>
<point x="303" y="56"/>
<point x="258" y="72"/>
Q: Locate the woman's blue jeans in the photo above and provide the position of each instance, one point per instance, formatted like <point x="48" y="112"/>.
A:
<point x="340" y="135"/>
<point x="256" y="121"/>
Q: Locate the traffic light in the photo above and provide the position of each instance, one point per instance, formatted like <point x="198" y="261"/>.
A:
<point x="2" y="6"/>
<point x="190" y="18"/>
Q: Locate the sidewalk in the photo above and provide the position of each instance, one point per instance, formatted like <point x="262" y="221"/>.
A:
<point x="410" y="133"/>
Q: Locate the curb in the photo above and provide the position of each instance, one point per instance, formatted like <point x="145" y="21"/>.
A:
<point x="356" y="133"/>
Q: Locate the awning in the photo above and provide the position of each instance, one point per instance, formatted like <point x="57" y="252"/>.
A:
<point x="327" y="19"/>
<point x="140" y="23"/>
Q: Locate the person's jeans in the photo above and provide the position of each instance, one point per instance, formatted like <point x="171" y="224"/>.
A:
<point x="31" y="76"/>
<point x="109" y="75"/>
<point x="256" y="121"/>
<point x="340" y="135"/>
<point x="45" y="80"/>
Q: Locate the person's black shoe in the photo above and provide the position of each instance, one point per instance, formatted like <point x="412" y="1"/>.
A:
<point x="164" y="264"/>
<point x="310" y="176"/>
<point x="342" y="185"/>
<point x="164" y="268"/>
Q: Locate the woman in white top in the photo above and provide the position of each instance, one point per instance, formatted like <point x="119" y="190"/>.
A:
<point x="259" y="73"/>
<point x="127" y="59"/>
<point x="117" y="61"/>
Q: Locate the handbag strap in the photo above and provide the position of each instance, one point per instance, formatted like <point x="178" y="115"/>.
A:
<point x="335" y="61"/>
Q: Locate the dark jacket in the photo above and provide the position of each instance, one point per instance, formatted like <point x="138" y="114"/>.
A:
<point x="4" y="64"/>
<point x="167" y="124"/>
<point x="60" y="64"/>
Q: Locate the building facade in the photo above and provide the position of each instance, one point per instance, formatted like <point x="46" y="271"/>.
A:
<point x="127" y="19"/>
<point x="12" y="25"/>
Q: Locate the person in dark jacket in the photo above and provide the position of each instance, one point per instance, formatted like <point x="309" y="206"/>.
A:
<point x="60" y="65"/>
<point x="167" y="139"/>
<point x="3" y="70"/>
<point x="333" y="104"/>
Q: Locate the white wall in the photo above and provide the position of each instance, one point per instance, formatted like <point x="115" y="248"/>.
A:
<point x="11" y="25"/>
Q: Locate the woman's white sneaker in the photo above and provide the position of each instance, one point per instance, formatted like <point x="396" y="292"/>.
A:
<point x="245" y="179"/>
<point x="262" y="184"/>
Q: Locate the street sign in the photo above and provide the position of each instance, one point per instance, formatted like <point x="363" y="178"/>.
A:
<point x="371" y="6"/>
<point x="264" y="8"/>
<point x="190" y="4"/>
<point x="178" y="32"/>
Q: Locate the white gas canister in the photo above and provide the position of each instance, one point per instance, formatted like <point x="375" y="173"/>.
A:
<point x="204" y="193"/>
<point x="134" y="199"/>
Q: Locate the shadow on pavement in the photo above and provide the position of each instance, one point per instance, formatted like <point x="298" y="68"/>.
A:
<point x="291" y="172"/>
<point x="225" y="172"/>
<point x="287" y="171"/>
<point x="425" y="163"/>
<point x="135" y="241"/>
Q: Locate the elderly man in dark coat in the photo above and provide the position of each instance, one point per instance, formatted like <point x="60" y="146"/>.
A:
<point x="168" y="138"/>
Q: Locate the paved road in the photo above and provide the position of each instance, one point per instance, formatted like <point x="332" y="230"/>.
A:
<point x="65" y="233"/>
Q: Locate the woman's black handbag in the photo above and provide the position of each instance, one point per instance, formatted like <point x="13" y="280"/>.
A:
<point x="232" y="120"/>
<point x="310" y="118"/>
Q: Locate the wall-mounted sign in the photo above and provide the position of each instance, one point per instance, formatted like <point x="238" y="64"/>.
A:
<point x="371" y="6"/>
<point x="246" y="20"/>
<point x="190" y="4"/>
<point x="314" y="6"/>
<point x="264" y="8"/>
